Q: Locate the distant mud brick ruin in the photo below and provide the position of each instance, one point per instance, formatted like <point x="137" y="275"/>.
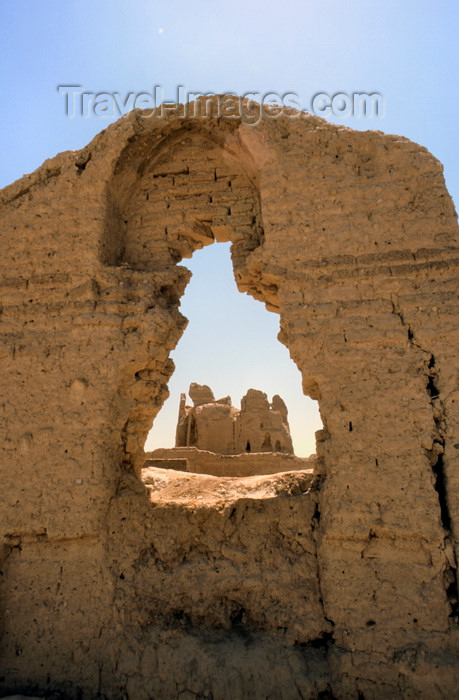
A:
<point x="218" y="426"/>
<point x="214" y="437"/>
<point x="123" y="580"/>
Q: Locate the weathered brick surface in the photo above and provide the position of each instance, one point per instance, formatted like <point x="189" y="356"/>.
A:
<point x="184" y="586"/>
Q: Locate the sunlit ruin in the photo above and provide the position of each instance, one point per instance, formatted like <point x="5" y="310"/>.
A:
<point x="214" y="437"/>
<point x="249" y="573"/>
<point x="216" y="425"/>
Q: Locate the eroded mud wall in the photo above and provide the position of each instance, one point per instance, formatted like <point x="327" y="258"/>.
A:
<point x="352" y="238"/>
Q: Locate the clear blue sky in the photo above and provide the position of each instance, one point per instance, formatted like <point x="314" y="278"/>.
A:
<point x="407" y="50"/>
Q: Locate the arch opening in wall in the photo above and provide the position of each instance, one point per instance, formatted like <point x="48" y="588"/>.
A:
<point x="230" y="344"/>
<point x="172" y="194"/>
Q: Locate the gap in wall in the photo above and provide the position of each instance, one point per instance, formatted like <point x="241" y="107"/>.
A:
<point x="231" y="345"/>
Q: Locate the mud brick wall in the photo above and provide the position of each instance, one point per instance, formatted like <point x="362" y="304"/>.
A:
<point x="341" y="580"/>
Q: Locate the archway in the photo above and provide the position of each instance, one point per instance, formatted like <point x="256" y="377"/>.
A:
<point x="231" y="344"/>
<point x="171" y="194"/>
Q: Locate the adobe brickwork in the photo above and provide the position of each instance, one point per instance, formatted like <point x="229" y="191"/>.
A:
<point x="340" y="579"/>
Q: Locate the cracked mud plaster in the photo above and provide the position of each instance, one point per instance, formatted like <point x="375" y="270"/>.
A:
<point x="335" y="581"/>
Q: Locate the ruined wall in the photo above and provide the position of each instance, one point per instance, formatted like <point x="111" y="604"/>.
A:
<point x="190" y="459"/>
<point x="352" y="238"/>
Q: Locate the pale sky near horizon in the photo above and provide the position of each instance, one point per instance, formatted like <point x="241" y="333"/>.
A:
<point x="405" y="50"/>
